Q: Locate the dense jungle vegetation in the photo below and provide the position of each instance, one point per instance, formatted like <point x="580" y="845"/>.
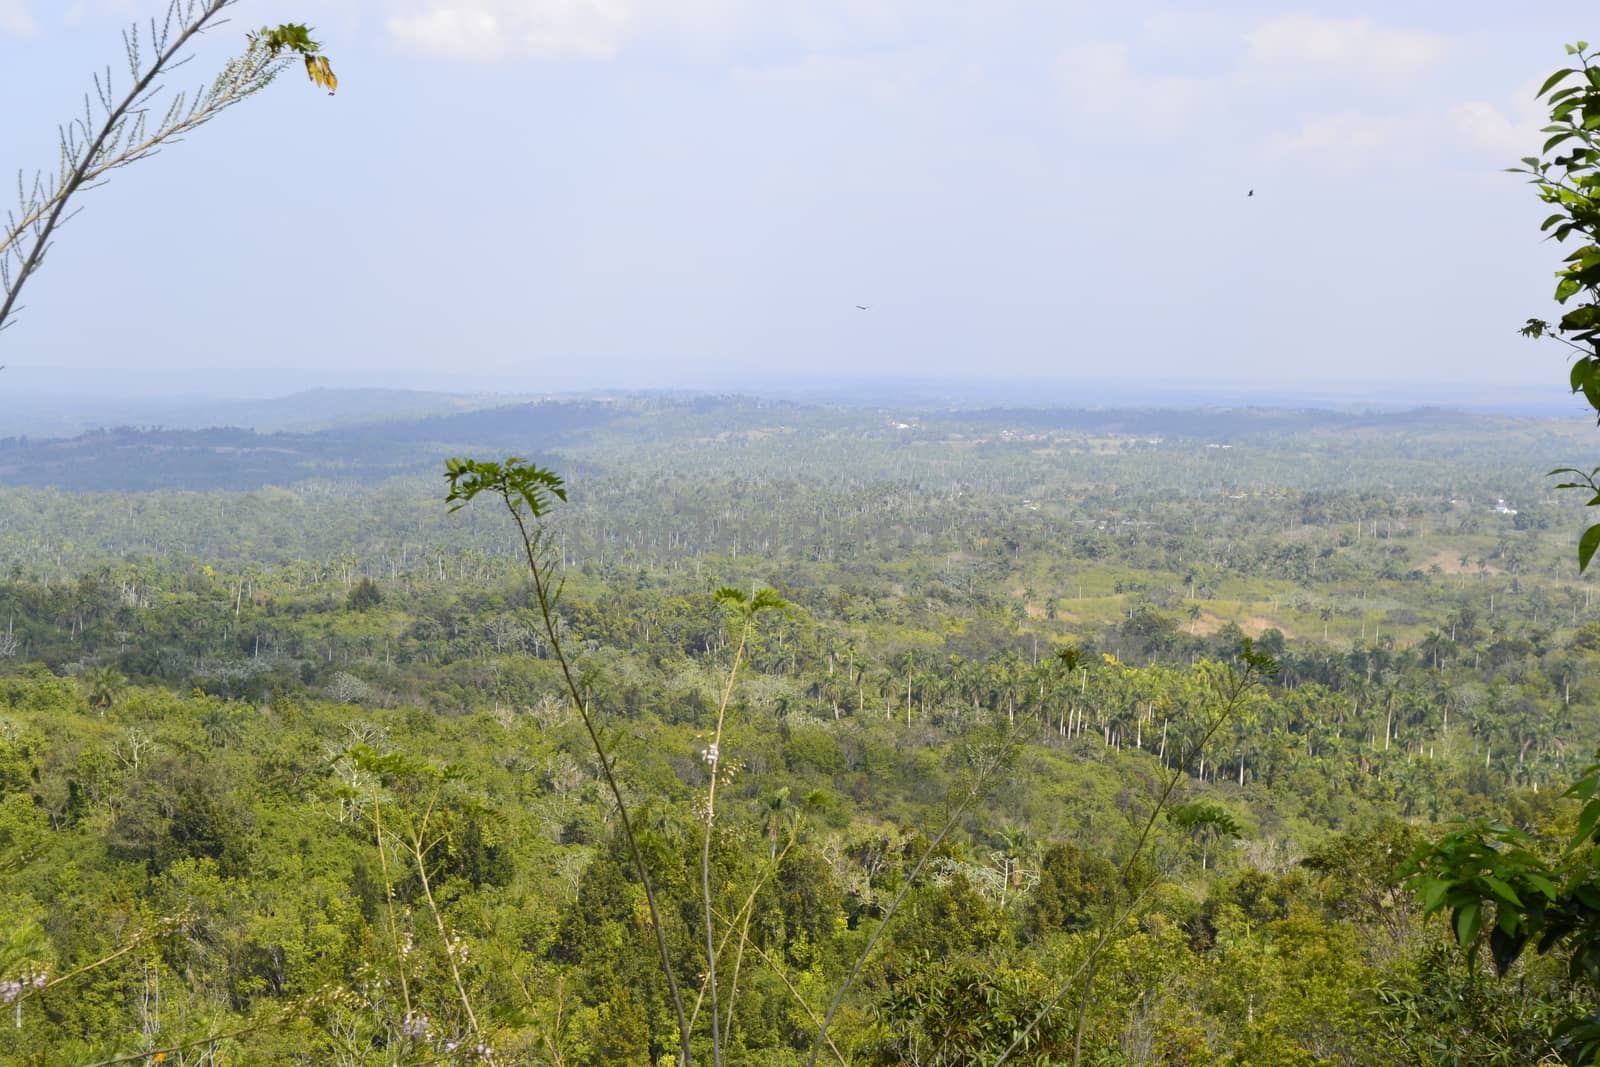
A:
<point x="291" y="772"/>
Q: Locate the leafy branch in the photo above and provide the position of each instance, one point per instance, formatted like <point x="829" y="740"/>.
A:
<point x="1566" y="173"/>
<point x="529" y="492"/>
<point x="117" y="129"/>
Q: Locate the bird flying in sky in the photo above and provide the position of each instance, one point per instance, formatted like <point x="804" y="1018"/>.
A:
<point x="862" y="307"/>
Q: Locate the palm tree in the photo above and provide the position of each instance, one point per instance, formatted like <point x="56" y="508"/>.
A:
<point x="780" y="812"/>
<point x="1435" y="647"/>
<point x="221" y="724"/>
<point x="1205" y="823"/>
<point x="103" y="686"/>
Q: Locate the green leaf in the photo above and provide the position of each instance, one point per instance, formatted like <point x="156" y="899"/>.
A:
<point x="1554" y="79"/>
<point x="1505" y="946"/>
<point x="768" y="600"/>
<point x="1586" y="821"/>
<point x="1433" y="896"/>
<point x="1502" y="891"/>
<point x="1539" y="882"/>
<point x="1468" y="920"/>
<point x="1591" y="391"/>
<point x="1551" y="143"/>
<point x="1586" y="546"/>
<point x="293" y="36"/>
<point x="1583" y="318"/>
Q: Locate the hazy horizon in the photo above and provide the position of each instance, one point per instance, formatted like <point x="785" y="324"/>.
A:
<point x="54" y="402"/>
<point x="635" y="194"/>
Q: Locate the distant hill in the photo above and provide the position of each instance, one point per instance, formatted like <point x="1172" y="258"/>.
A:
<point x="137" y="460"/>
<point x="583" y="434"/>
<point x="54" y="414"/>
<point x="321" y="409"/>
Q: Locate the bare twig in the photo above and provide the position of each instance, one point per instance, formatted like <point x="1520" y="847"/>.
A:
<point x="419" y="852"/>
<point x="388" y="899"/>
<point x="714" y="758"/>
<point x="979" y="787"/>
<point x="1242" y="682"/>
<point x="798" y="999"/>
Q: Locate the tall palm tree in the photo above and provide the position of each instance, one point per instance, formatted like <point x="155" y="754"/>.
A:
<point x="1207" y="824"/>
<point x="103" y="686"/>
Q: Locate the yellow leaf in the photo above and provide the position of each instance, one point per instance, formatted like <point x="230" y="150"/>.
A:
<point x="311" y="69"/>
<point x="328" y="78"/>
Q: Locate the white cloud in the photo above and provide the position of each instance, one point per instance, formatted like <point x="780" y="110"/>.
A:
<point x="1483" y="125"/>
<point x="1286" y="62"/>
<point x="1318" y="91"/>
<point x="1512" y="131"/>
<point x="1346" y="140"/>
<point x="1349" y="139"/>
<point x="496" y="29"/>
<point x="14" y="18"/>
<point x="1100" y="81"/>
<point x="1344" y="45"/>
<point x="489" y="30"/>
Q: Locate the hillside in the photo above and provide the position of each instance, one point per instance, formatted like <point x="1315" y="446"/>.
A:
<point x="300" y="752"/>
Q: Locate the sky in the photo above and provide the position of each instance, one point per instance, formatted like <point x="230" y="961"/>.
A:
<point x="693" y="193"/>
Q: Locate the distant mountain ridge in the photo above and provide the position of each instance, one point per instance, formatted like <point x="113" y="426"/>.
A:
<point x="135" y="459"/>
<point x="54" y="415"/>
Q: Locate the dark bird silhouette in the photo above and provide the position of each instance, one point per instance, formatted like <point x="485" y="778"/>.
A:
<point x="1251" y="193"/>
<point x="862" y="307"/>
